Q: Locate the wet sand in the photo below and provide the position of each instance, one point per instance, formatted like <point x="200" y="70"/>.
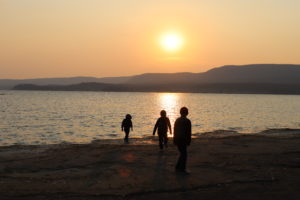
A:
<point x="237" y="167"/>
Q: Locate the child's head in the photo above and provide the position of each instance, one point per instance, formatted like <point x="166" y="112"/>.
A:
<point x="163" y="113"/>
<point x="184" y="111"/>
<point x="128" y="116"/>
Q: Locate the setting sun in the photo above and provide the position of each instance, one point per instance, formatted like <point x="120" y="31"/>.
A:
<point x="171" y="42"/>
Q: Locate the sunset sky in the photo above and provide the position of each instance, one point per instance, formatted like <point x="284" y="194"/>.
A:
<point x="63" y="38"/>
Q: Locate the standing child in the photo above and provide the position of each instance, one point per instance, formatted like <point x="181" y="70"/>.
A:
<point x="182" y="138"/>
<point x="126" y="125"/>
<point x="162" y="125"/>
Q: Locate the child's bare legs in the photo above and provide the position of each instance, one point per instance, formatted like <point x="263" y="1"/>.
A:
<point x="126" y="134"/>
<point x="163" y="140"/>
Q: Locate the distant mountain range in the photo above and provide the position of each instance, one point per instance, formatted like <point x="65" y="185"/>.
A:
<point x="257" y="78"/>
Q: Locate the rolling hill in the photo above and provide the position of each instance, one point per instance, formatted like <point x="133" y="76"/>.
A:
<point x="257" y="78"/>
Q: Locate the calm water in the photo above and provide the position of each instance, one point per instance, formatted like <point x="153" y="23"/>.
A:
<point x="34" y="117"/>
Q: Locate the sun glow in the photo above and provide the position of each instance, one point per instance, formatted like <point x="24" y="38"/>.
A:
<point x="169" y="103"/>
<point x="171" y="42"/>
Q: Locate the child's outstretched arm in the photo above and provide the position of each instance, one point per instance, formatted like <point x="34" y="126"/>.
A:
<point x="169" y="126"/>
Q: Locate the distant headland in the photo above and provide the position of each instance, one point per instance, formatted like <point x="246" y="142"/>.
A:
<point x="253" y="79"/>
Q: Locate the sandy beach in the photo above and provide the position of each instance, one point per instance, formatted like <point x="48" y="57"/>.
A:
<point x="235" y="167"/>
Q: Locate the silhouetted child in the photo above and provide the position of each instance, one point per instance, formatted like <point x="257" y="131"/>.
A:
<point x="162" y="125"/>
<point x="126" y="125"/>
<point x="182" y="138"/>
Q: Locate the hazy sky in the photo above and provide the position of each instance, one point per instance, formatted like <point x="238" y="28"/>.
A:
<point x="62" y="38"/>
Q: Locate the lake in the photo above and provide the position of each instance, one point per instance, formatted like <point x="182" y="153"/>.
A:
<point x="43" y="117"/>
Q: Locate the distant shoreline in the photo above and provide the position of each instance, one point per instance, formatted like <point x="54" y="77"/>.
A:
<point x="294" y="94"/>
<point x="229" y="79"/>
<point x="219" y="88"/>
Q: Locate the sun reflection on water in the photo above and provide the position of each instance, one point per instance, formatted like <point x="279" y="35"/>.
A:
<point x="169" y="102"/>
